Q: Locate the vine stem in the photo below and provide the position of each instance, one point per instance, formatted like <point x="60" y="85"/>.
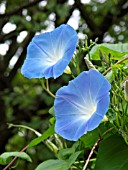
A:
<point x="46" y="88"/>
<point x="20" y="126"/>
<point x="120" y="61"/>
<point x="93" y="148"/>
<point x="25" y="127"/>
<point x="48" y="143"/>
<point x="14" y="159"/>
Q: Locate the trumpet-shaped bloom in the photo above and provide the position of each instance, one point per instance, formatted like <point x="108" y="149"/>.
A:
<point x="81" y="105"/>
<point x="49" y="54"/>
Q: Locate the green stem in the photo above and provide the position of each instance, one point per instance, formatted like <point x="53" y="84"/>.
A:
<point x="58" y="141"/>
<point x="46" y="88"/>
<point x="120" y="61"/>
<point x="87" y="49"/>
<point x="48" y="143"/>
<point x="51" y="146"/>
<point x="25" y="127"/>
<point x="77" y="62"/>
<point x="126" y="108"/>
<point x="72" y="76"/>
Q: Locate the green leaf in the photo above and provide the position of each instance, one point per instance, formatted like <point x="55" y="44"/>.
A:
<point x="52" y="111"/>
<point x="73" y="157"/>
<point x="44" y="136"/>
<point x="90" y="138"/>
<point x="52" y="120"/>
<point x="112" y="154"/>
<point x="109" y="76"/>
<point x="117" y="51"/>
<point x="6" y="157"/>
<point x="53" y="165"/>
<point x="67" y="152"/>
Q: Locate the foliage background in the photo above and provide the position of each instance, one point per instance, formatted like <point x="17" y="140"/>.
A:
<point x="23" y="101"/>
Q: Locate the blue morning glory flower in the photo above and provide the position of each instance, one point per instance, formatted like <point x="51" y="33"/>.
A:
<point x="81" y="105"/>
<point x="49" y="54"/>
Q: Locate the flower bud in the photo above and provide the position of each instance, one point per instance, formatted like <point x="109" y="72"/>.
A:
<point x="105" y="119"/>
<point x="67" y="70"/>
<point x="89" y="64"/>
<point x="126" y="90"/>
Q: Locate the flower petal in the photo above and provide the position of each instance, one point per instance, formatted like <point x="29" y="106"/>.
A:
<point x="97" y="117"/>
<point x="48" y="54"/>
<point x="98" y="85"/>
<point x="81" y="105"/>
<point x="72" y="129"/>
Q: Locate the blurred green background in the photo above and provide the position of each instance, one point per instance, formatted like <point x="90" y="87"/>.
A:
<point x="23" y="101"/>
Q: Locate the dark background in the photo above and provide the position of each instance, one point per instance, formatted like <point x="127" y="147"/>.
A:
<point x="23" y="101"/>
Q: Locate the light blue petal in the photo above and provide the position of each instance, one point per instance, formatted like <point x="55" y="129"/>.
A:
<point x="48" y="54"/>
<point x="70" y="119"/>
<point x="61" y="65"/>
<point x="97" y="117"/>
<point x="32" y="67"/>
<point x="62" y="37"/>
<point x="81" y="105"/>
<point x="98" y="85"/>
<point x="72" y="129"/>
<point x="77" y="92"/>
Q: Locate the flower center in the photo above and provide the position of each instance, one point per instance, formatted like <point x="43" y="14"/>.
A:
<point x="92" y="110"/>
